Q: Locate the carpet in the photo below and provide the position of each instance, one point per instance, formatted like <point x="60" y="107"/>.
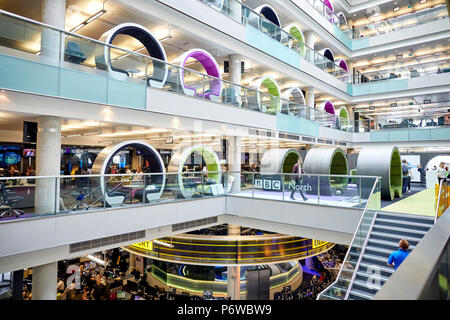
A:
<point x="421" y="203"/>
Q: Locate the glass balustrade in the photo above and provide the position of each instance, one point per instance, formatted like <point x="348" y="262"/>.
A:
<point x="129" y="70"/>
<point x="338" y="290"/>
<point x="401" y="22"/>
<point x="30" y="197"/>
<point x="380" y="27"/>
<point x="243" y="14"/>
<point x="405" y="70"/>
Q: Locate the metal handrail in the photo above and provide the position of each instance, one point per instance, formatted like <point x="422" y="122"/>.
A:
<point x="353" y="240"/>
<point x="363" y="249"/>
<point x="176" y="173"/>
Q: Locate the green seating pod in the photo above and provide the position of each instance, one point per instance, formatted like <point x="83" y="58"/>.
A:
<point x="183" y="185"/>
<point x="327" y="161"/>
<point x="279" y="161"/>
<point x="385" y="162"/>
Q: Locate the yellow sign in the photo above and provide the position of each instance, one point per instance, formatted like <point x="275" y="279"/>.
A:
<point x="318" y="243"/>
<point x="144" y="245"/>
<point x="443" y="197"/>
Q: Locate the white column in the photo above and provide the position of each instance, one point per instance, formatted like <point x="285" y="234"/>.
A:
<point x="234" y="272"/>
<point x="310" y="39"/>
<point x="310" y="102"/>
<point x="235" y="76"/>
<point x="44" y="282"/>
<point x="234" y="162"/>
<point x="48" y="163"/>
<point x="54" y="14"/>
<point x="308" y="263"/>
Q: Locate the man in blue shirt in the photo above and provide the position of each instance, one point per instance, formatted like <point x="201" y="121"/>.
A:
<point x="396" y="258"/>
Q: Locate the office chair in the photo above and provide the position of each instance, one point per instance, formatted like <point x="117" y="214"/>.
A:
<point x="7" y="199"/>
<point x="73" y="53"/>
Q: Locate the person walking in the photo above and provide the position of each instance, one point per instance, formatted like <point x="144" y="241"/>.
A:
<point x="410" y="176"/>
<point x="405" y="175"/>
<point x="422" y="174"/>
<point x="441" y="172"/>
<point x="397" y="257"/>
<point x="297" y="172"/>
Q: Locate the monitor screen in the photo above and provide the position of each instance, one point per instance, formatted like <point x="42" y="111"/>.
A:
<point x="29" y="152"/>
<point x="121" y="295"/>
<point x="9" y="158"/>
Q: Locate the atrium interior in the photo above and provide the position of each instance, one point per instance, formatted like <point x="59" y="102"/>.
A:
<point x="224" y="149"/>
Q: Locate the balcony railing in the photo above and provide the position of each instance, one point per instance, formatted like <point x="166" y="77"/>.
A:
<point x="380" y="27"/>
<point x="243" y="14"/>
<point x="41" y="196"/>
<point x="406" y="71"/>
<point x="401" y="22"/>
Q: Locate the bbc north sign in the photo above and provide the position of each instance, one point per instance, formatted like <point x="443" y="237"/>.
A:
<point x="276" y="185"/>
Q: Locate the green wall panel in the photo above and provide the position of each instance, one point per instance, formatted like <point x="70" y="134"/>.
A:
<point x="127" y="94"/>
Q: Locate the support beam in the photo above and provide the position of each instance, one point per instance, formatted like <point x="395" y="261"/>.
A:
<point x="44" y="281"/>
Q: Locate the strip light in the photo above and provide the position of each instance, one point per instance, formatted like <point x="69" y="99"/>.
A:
<point x="96" y="260"/>
<point x="88" y="20"/>
<point x="164" y="244"/>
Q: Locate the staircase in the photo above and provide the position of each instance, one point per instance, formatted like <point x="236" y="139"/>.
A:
<point x="366" y="267"/>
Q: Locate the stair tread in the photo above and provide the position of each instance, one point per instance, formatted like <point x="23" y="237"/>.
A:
<point x="407" y="215"/>
<point x="374" y="257"/>
<point x="362" y="294"/>
<point x="395" y="236"/>
<point x="377" y="249"/>
<point x="388" y="243"/>
<point x="383" y="268"/>
<point x="367" y="274"/>
<point x="408" y="223"/>
<point x="399" y="229"/>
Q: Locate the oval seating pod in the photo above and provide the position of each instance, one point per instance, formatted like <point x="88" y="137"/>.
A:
<point x="269" y="13"/>
<point x="254" y="98"/>
<point x="327" y="53"/>
<point x="297" y="97"/>
<point x="381" y="161"/>
<point x="342" y="64"/>
<point x="327" y="161"/>
<point x="328" y="107"/>
<point x="211" y="67"/>
<point x="279" y="161"/>
<point x="297" y="33"/>
<point x="186" y="187"/>
<point x="153" y="185"/>
<point x="148" y="40"/>
<point x="343" y="115"/>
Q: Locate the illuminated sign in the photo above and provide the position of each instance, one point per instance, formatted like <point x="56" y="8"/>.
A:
<point x="318" y="243"/>
<point x="144" y="245"/>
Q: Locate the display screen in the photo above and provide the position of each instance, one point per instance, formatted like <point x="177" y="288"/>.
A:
<point x="29" y="152"/>
<point x="9" y="155"/>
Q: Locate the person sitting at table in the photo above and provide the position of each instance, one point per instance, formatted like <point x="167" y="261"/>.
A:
<point x="138" y="177"/>
<point x="113" y="169"/>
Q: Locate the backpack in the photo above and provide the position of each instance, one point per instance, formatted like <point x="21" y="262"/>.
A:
<point x="405" y="169"/>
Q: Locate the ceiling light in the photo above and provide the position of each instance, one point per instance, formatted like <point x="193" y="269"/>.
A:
<point x="371" y="108"/>
<point x="396" y="9"/>
<point x="393" y="105"/>
<point x="164" y="244"/>
<point x="165" y="38"/>
<point x="422" y="1"/>
<point x="376" y="14"/>
<point x="88" y="20"/>
<point x="96" y="260"/>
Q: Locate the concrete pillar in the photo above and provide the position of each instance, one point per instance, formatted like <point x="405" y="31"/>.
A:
<point x="132" y="263"/>
<point x="52" y="42"/>
<point x="48" y="163"/>
<point x="310" y="102"/>
<point x="234" y="162"/>
<point x="235" y="77"/>
<point x="44" y="282"/>
<point x="234" y="272"/>
<point x="310" y="40"/>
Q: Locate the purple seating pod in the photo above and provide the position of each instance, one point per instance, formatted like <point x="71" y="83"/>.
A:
<point x="211" y="67"/>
